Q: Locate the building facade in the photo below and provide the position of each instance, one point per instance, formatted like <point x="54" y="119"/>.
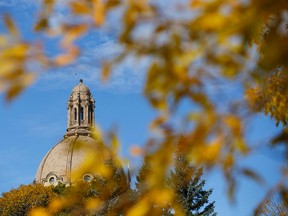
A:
<point x="80" y="156"/>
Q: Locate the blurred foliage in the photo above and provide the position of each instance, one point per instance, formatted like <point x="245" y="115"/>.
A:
<point x="199" y="46"/>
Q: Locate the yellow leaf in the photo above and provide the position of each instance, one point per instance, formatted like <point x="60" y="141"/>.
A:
<point x="38" y="212"/>
<point x="93" y="204"/>
<point x="162" y="197"/>
<point x="7" y="67"/>
<point x="196" y="3"/>
<point x="234" y="123"/>
<point x="212" y="21"/>
<point x="228" y="162"/>
<point x="241" y="146"/>
<point x="3" y="40"/>
<point x="212" y="151"/>
<point x="57" y="205"/>
<point x="207" y="153"/>
<point x="97" y="133"/>
<point x="16" y="52"/>
<point x="139" y="209"/>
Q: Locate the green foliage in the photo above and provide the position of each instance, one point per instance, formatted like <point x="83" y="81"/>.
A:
<point x="185" y="181"/>
<point x="188" y="186"/>
<point x="60" y="188"/>
<point x="19" y="201"/>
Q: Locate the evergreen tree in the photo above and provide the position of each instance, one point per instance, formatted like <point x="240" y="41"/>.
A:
<point x="143" y="175"/>
<point x="188" y="186"/>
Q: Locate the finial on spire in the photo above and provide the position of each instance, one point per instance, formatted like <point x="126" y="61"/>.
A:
<point x="81" y="80"/>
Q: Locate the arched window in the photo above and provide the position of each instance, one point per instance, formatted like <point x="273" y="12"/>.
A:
<point x="75" y="114"/>
<point x="81" y="114"/>
<point x="87" y="177"/>
<point x="52" y="180"/>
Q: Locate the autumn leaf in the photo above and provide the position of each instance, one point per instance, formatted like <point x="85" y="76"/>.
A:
<point x="136" y="151"/>
<point x="66" y="58"/>
<point x="11" y="26"/>
<point x="253" y="175"/>
<point x="72" y="32"/>
<point x="39" y="212"/>
<point x="106" y="71"/>
<point x="79" y="8"/>
<point x="99" y="11"/>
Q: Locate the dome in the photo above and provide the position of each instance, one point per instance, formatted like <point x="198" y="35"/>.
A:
<point x="80" y="91"/>
<point x="81" y="88"/>
<point x="77" y="158"/>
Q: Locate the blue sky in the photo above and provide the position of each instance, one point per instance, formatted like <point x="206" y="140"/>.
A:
<point x="36" y="120"/>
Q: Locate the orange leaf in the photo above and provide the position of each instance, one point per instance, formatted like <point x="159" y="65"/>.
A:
<point x="106" y="71"/>
<point x="41" y="24"/>
<point x="13" y="91"/>
<point x="196" y="3"/>
<point x="79" y="8"/>
<point x="72" y="32"/>
<point x="136" y="151"/>
<point x="67" y="58"/>
<point x="99" y="12"/>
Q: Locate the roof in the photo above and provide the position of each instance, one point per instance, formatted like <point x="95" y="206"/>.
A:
<point x="73" y="158"/>
<point x="81" y="88"/>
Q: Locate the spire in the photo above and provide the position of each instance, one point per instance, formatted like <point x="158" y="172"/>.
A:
<point x="128" y="174"/>
<point x="80" y="111"/>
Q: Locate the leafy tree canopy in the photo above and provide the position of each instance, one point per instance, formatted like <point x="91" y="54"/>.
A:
<point x="19" y="201"/>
